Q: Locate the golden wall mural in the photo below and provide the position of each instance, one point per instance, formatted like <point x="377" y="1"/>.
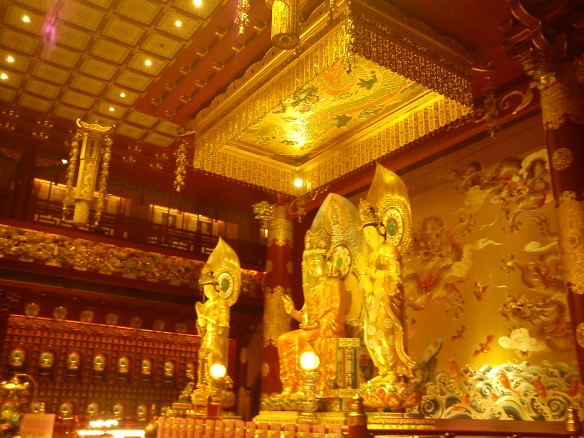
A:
<point x="488" y="321"/>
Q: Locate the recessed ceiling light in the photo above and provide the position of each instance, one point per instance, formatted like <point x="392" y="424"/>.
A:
<point x="122" y="94"/>
<point x="197" y="3"/>
<point x="64" y="160"/>
<point x="178" y="23"/>
<point x="3" y="76"/>
<point x="25" y="19"/>
<point x="148" y="63"/>
<point x="10" y="58"/>
<point x="112" y="109"/>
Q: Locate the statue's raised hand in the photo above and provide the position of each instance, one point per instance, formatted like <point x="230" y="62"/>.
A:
<point x="288" y="304"/>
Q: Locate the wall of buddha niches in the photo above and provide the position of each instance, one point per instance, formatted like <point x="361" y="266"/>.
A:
<point x="487" y="314"/>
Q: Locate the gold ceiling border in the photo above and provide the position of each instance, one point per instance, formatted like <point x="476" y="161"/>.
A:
<point x="356" y="151"/>
<point x="242" y="166"/>
<point x="365" y="148"/>
<point x="373" y="45"/>
<point x="402" y="45"/>
<point x="411" y="48"/>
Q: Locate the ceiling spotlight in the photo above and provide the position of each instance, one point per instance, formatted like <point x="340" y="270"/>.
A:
<point x="10" y="58"/>
<point x="122" y="94"/>
<point x="298" y="182"/>
<point x="111" y="109"/>
<point x="64" y="161"/>
<point x="178" y="23"/>
<point x="25" y="19"/>
<point x="148" y="63"/>
<point x="197" y="3"/>
<point x="3" y="76"/>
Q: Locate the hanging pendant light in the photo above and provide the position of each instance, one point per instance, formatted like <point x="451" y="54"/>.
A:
<point x="285" y="23"/>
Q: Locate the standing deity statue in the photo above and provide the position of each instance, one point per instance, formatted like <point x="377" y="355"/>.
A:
<point x="326" y="263"/>
<point x="220" y="279"/>
<point x="386" y="225"/>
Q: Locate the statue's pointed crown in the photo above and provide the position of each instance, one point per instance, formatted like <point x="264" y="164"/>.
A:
<point x="224" y="269"/>
<point x="388" y="206"/>
<point x="385" y="189"/>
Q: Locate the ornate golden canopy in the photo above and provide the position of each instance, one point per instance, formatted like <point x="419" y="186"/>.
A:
<point x="363" y="82"/>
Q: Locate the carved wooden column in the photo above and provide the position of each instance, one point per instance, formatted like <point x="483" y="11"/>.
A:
<point x="550" y="47"/>
<point x="562" y="103"/>
<point x="278" y="281"/>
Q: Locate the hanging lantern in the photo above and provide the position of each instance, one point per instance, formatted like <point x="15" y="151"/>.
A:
<point x="285" y="23"/>
<point x="91" y="163"/>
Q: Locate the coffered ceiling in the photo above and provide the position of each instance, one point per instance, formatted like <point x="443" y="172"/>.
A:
<point x="93" y="59"/>
<point x="151" y="66"/>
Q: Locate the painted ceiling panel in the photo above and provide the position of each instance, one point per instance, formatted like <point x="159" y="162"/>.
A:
<point x="161" y="45"/>
<point x="78" y="14"/>
<point x="35" y="103"/>
<point x="123" y="31"/>
<point x="110" y="51"/>
<point x="133" y="80"/>
<point x="143" y="11"/>
<point x="87" y="84"/>
<point x="98" y="69"/>
<point x="43" y="89"/>
<point x="71" y="37"/>
<point x="130" y="130"/>
<point x="68" y="112"/>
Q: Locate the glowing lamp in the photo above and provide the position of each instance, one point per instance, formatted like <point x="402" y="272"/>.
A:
<point x="309" y="360"/>
<point x="217" y="370"/>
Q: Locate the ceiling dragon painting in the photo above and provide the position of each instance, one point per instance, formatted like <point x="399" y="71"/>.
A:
<point x="336" y="102"/>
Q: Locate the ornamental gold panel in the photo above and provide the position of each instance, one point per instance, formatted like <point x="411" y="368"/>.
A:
<point x="364" y="83"/>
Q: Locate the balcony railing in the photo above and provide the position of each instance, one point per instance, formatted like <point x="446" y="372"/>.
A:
<point x="145" y="232"/>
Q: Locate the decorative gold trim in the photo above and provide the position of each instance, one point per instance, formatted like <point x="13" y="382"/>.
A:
<point x="376" y="42"/>
<point x="525" y="96"/>
<point x="94" y="127"/>
<point x="276" y="320"/>
<point x="357" y="150"/>
<point x="84" y="255"/>
<point x="571" y="227"/>
<point x="362" y="149"/>
<point x="561" y="102"/>
<point x="580" y="334"/>
<point x="562" y="158"/>
<point x="400" y="46"/>
<point x="280" y="232"/>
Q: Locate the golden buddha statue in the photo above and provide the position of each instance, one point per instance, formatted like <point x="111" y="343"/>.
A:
<point x="220" y="279"/>
<point x="386" y="222"/>
<point x="321" y="318"/>
<point x="326" y="261"/>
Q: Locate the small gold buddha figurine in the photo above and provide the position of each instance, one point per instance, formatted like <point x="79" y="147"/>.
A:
<point x="99" y="363"/>
<point x="169" y="369"/>
<point x="93" y="409"/>
<point x="123" y="365"/>
<point x="146" y="367"/>
<point x="17" y="358"/>
<point x="73" y="362"/>
<point x="46" y="360"/>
